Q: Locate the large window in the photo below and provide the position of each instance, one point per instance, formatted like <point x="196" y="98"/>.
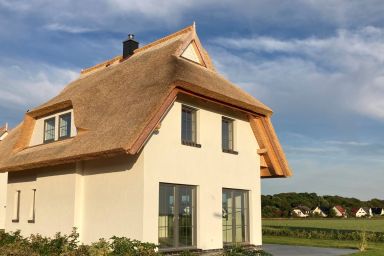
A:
<point x="49" y="130"/>
<point x="188" y="126"/>
<point x="235" y="216"/>
<point x="65" y="126"/>
<point x="177" y="221"/>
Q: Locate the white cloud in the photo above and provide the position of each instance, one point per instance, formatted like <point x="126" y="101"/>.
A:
<point x="67" y="28"/>
<point x="25" y="84"/>
<point x="339" y="73"/>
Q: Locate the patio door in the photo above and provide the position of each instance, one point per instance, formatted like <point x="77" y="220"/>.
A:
<point x="235" y="216"/>
<point x="177" y="221"/>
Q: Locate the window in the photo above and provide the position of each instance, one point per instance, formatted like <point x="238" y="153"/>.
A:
<point x="235" y="216"/>
<point x="177" y="217"/>
<point x="16" y="207"/>
<point x="65" y="126"/>
<point x="32" y="210"/>
<point x="49" y="130"/>
<point x="227" y="135"/>
<point x="188" y="127"/>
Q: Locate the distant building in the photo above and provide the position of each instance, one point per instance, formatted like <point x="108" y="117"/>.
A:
<point x="301" y="211"/>
<point x="339" y="211"/>
<point x="320" y="211"/>
<point x="377" y="211"/>
<point x="361" y="212"/>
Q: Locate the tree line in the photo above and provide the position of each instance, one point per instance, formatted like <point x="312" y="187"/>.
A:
<point x="281" y="205"/>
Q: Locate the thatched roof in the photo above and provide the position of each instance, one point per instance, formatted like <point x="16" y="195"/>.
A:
<point x="117" y="104"/>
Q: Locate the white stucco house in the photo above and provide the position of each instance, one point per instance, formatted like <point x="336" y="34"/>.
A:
<point x="3" y="182"/>
<point x="153" y="145"/>
<point x="320" y="211"/>
<point x="362" y="212"/>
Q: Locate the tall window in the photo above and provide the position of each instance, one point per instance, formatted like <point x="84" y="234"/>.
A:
<point x="49" y="130"/>
<point x="227" y="135"/>
<point x="188" y="126"/>
<point x="65" y="126"/>
<point x="31" y="218"/>
<point x="16" y="207"/>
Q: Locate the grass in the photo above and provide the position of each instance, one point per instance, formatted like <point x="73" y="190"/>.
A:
<point x="374" y="249"/>
<point x="375" y="224"/>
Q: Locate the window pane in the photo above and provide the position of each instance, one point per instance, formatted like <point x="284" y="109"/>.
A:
<point x="49" y="129"/>
<point x="188" y="125"/>
<point x="166" y="216"/>
<point x="227" y="134"/>
<point x="65" y="125"/>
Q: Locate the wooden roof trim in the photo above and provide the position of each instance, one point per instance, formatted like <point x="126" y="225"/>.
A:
<point x="271" y="152"/>
<point x="180" y="84"/>
<point x="51" y="109"/>
<point x="104" y="64"/>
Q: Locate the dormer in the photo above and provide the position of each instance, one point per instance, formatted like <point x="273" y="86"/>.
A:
<point x="53" y="127"/>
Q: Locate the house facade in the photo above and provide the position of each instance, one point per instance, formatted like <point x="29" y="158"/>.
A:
<point x="320" y="211"/>
<point x="3" y="182"/>
<point x="362" y="212"/>
<point x="339" y="211"/>
<point x="153" y="145"/>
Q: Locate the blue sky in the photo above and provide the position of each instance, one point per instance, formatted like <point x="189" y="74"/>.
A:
<point x="318" y="64"/>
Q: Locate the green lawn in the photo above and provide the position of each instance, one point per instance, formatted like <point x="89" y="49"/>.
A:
<point x="376" y="225"/>
<point x="374" y="249"/>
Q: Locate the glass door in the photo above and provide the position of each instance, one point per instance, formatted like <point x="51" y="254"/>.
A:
<point x="177" y="216"/>
<point x="235" y="216"/>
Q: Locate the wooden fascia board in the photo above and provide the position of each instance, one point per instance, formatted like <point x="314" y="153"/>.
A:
<point x="277" y="147"/>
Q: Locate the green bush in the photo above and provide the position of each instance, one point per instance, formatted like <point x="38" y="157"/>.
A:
<point x="244" y="251"/>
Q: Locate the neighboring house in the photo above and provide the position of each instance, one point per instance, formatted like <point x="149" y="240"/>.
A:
<point x="320" y="211"/>
<point x="339" y="211"/>
<point x="361" y="212"/>
<point x="153" y="145"/>
<point x="376" y="211"/>
<point x="301" y="211"/>
<point x="3" y="182"/>
<point x="3" y="131"/>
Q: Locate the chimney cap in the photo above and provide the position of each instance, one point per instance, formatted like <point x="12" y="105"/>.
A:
<point x="131" y="36"/>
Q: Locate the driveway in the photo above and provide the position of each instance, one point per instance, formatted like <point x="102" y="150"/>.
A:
<point x="293" y="250"/>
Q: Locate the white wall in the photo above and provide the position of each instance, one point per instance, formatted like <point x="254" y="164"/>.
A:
<point x="113" y="198"/>
<point x="3" y="198"/>
<point x="211" y="170"/>
<point x="55" y="194"/>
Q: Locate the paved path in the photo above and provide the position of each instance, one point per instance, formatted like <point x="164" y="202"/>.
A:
<point x="293" y="250"/>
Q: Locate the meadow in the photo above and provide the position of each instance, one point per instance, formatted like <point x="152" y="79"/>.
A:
<point x="374" y="224"/>
<point x="313" y="228"/>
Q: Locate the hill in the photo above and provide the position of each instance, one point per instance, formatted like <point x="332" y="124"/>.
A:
<point x="280" y="205"/>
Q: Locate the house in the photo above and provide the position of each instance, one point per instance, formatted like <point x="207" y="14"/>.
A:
<point x="301" y="211"/>
<point x="320" y="211"/>
<point x="3" y="131"/>
<point x="153" y="145"/>
<point x="3" y="181"/>
<point x="339" y="211"/>
<point x="377" y="211"/>
<point x="362" y="212"/>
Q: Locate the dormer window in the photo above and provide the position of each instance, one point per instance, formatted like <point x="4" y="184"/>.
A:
<point x="65" y="126"/>
<point x="49" y="130"/>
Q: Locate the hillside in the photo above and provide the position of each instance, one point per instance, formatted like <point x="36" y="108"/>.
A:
<point x="280" y="205"/>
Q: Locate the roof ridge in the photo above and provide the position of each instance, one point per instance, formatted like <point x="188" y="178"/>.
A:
<point x="166" y="38"/>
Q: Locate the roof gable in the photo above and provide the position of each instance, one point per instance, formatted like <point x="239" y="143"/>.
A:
<point x="192" y="53"/>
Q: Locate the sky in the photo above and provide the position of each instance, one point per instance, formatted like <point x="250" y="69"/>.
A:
<point x="318" y="64"/>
